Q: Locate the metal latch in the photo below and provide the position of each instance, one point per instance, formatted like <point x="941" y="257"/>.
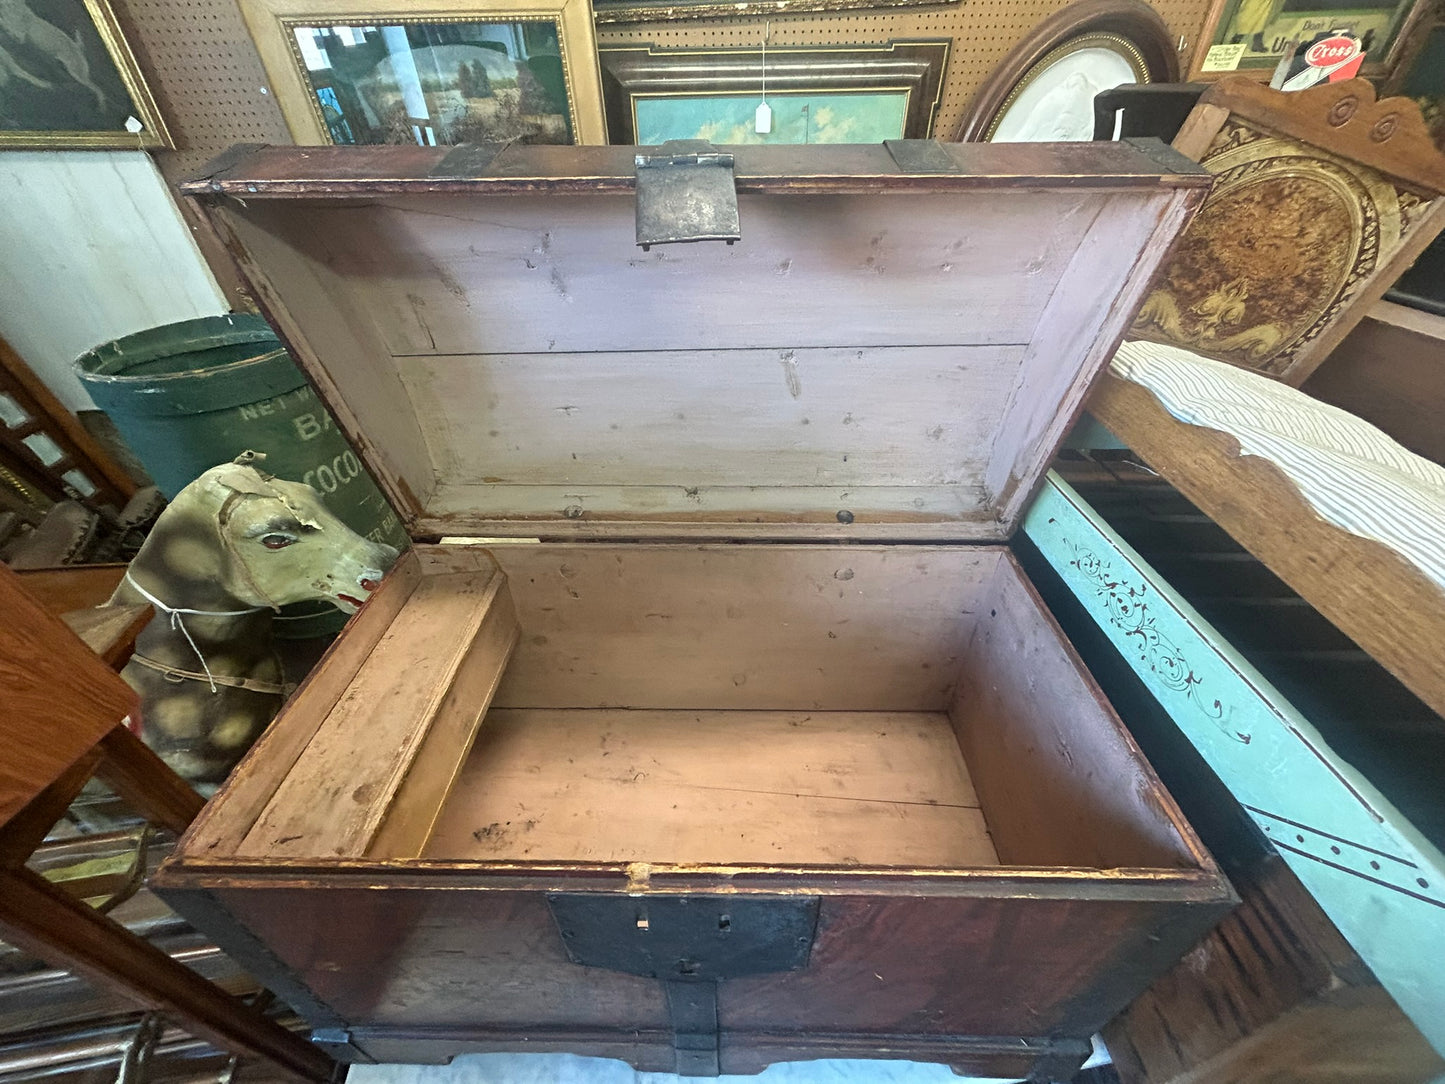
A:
<point x="686" y="192"/>
<point x="338" y="1043"/>
<point x="691" y="943"/>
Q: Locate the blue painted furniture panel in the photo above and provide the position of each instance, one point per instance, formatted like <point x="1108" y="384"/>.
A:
<point x="1379" y="880"/>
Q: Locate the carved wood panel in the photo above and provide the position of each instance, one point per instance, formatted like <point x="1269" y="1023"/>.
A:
<point x="1300" y="232"/>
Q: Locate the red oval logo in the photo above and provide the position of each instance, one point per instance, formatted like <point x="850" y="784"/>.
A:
<point x="1331" y="51"/>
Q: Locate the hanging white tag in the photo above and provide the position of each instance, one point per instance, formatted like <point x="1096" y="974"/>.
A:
<point x="133" y="126"/>
<point x="763" y="119"/>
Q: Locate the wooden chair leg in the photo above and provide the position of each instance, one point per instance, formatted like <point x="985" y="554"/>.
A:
<point x="146" y="782"/>
<point x="26" y="830"/>
<point x="42" y="920"/>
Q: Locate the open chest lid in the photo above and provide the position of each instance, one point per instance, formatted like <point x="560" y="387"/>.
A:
<point x="892" y="350"/>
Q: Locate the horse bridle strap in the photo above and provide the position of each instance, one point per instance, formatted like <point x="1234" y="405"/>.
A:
<point x="175" y="613"/>
<point x="253" y="685"/>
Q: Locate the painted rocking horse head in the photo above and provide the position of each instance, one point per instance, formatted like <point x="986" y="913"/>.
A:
<point x="234" y="546"/>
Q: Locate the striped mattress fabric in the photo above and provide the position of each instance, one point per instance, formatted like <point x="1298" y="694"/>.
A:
<point x="1350" y="473"/>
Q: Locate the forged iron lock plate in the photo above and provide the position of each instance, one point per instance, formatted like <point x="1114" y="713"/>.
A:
<point x="682" y="938"/>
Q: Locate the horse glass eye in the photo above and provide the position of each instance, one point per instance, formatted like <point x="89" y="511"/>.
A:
<point x="277" y="541"/>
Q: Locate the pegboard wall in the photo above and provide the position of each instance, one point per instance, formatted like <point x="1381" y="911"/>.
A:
<point x="205" y="70"/>
<point x="202" y="66"/>
<point x="983" y="31"/>
<point x="208" y="79"/>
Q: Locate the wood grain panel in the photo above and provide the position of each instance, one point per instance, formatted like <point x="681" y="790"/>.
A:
<point x="59" y="697"/>
<point x="1388" y="135"/>
<point x="336" y="347"/>
<point x="715" y="788"/>
<point x="434" y="960"/>
<point x="1061" y="781"/>
<point x="379" y="766"/>
<point x="1085" y="319"/>
<point x="559" y="272"/>
<point x="224" y="823"/>
<point x="456" y="969"/>
<point x="935" y="967"/>
<point x="920" y="416"/>
<point x="794" y="628"/>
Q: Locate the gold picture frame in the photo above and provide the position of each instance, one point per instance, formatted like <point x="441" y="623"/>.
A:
<point x="565" y="25"/>
<point x="624" y="12"/>
<point x="62" y="61"/>
<point x="718" y="87"/>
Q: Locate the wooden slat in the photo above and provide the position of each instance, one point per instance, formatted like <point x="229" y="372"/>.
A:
<point x="109" y="631"/>
<point x="414" y="703"/>
<point x="253" y="782"/>
<point x="44" y="921"/>
<point x="1084" y="321"/>
<point x="898" y="417"/>
<point x="715" y="787"/>
<point x="946" y="513"/>
<point x="71" y="587"/>
<point x="27" y="829"/>
<point x="80" y="447"/>
<point x="59" y="698"/>
<point x="419" y="800"/>
<point x="340" y="172"/>
<point x="1376" y="597"/>
<point x="146" y="783"/>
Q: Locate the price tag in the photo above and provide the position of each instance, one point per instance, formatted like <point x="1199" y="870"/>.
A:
<point x="1223" y="58"/>
<point x="763" y="119"/>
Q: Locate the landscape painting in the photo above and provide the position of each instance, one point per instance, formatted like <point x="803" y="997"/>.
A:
<point x="821" y="117"/>
<point x="436" y="83"/>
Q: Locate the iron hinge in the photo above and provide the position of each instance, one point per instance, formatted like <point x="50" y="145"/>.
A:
<point x="686" y="192"/>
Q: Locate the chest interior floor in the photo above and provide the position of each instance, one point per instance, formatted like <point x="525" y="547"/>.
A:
<point x="795" y="705"/>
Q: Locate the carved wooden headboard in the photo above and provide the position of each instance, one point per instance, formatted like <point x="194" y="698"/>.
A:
<point x="1322" y="198"/>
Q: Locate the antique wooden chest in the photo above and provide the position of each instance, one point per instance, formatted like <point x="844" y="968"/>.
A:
<point x="710" y="723"/>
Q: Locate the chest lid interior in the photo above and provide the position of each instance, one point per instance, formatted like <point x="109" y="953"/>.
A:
<point x="883" y="355"/>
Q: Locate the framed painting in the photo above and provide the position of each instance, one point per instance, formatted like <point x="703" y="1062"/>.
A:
<point x="431" y="72"/>
<point x="653" y="11"/>
<point x="69" y="80"/>
<point x="1251" y="37"/>
<point x="1044" y="89"/>
<point x="816" y="94"/>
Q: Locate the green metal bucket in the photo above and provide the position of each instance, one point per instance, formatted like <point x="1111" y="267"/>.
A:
<point x="191" y="395"/>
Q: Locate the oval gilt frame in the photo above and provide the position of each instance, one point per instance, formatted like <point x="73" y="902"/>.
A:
<point x="1133" y="20"/>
